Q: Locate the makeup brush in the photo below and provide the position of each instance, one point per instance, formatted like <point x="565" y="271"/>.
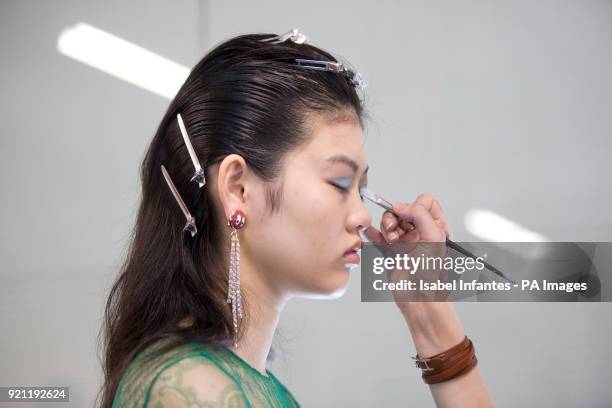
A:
<point x="378" y="200"/>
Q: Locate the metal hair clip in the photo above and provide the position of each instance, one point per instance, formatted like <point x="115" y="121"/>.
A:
<point x="190" y="226"/>
<point x="199" y="172"/>
<point x="332" y="66"/>
<point x="294" y="35"/>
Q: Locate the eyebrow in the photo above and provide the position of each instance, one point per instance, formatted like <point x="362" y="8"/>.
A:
<point x="340" y="158"/>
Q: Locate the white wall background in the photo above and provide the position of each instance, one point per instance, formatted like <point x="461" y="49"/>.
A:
<point x="503" y="105"/>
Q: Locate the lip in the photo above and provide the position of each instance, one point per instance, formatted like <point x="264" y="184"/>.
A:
<point x="352" y="257"/>
<point x="356" y="247"/>
<point x="353" y="254"/>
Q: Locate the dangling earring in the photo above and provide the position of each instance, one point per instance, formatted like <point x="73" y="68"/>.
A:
<point x="235" y="222"/>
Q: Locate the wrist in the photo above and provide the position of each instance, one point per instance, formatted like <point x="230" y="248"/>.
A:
<point x="434" y="326"/>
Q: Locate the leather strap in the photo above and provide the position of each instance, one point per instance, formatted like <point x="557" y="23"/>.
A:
<point x="435" y="362"/>
<point x="461" y="366"/>
<point x="448" y="364"/>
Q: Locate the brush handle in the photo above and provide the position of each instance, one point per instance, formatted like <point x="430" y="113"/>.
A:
<point x="459" y="248"/>
<point x="467" y="253"/>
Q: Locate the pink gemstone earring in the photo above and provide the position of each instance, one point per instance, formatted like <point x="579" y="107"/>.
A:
<point x="235" y="222"/>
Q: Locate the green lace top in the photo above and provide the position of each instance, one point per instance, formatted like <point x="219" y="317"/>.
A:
<point x="195" y="375"/>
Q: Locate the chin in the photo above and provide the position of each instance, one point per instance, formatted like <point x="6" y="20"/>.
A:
<point x="332" y="286"/>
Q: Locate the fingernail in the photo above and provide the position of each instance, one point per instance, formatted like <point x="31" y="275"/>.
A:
<point x="389" y="224"/>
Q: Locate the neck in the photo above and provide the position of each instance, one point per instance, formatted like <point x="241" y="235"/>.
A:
<point x="262" y="313"/>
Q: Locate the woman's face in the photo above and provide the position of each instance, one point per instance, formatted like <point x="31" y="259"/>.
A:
<point x="300" y="249"/>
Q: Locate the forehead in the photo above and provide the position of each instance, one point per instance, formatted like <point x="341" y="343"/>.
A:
<point x="331" y="136"/>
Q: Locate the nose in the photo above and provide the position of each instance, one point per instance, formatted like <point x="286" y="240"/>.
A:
<point x="360" y="218"/>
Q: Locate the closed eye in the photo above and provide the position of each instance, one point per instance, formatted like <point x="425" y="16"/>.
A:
<point x="344" y="186"/>
<point x="343" y="183"/>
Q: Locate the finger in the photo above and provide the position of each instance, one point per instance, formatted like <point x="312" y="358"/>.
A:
<point x="444" y="226"/>
<point x="407" y="225"/>
<point x="389" y="221"/>
<point x="388" y="224"/>
<point x="376" y="237"/>
<point x="410" y="236"/>
<point x="422" y="219"/>
<point x="396" y="234"/>
<point x="433" y="206"/>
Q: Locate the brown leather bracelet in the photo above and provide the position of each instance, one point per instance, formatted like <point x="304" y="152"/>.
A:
<point x="462" y="366"/>
<point x="448" y="364"/>
<point x="437" y="361"/>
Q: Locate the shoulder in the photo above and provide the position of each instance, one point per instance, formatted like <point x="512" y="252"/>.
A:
<point x="195" y="380"/>
<point x="186" y="376"/>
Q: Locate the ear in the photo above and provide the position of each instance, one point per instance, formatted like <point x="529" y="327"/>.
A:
<point x="232" y="181"/>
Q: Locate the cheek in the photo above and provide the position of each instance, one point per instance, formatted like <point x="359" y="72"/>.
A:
<point x="304" y="230"/>
<point x="317" y="216"/>
<point x="299" y="245"/>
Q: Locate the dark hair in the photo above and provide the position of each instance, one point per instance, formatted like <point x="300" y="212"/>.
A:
<point x="244" y="97"/>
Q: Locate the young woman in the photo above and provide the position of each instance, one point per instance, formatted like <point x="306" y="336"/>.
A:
<point x="251" y="196"/>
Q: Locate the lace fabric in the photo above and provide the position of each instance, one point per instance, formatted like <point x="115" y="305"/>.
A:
<point x="181" y="377"/>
